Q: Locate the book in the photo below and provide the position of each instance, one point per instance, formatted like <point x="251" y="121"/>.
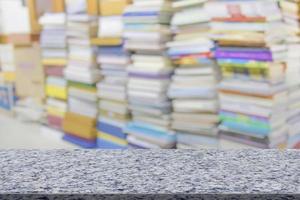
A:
<point x="193" y="89"/>
<point x="112" y="59"/>
<point x="291" y="15"/>
<point x="251" y="54"/>
<point x="54" y="59"/>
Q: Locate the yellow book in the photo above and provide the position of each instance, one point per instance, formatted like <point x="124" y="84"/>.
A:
<point x="106" y="41"/>
<point x="56" y="61"/>
<point x="86" y="90"/>
<point x="9" y="76"/>
<point x="81" y="126"/>
<point x="56" y="92"/>
<point x="112" y="7"/>
<point x="55" y="111"/>
<point x="112" y="138"/>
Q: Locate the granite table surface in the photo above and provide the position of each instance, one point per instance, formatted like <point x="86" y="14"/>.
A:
<point x="149" y="171"/>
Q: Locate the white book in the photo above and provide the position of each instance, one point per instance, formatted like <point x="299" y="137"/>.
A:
<point x="153" y="70"/>
<point x="89" y="77"/>
<point x="195" y="105"/>
<point x="187" y="3"/>
<point x="109" y="87"/>
<point x="75" y="6"/>
<point x="139" y="142"/>
<point x="84" y="95"/>
<point x="151" y="120"/>
<point x="121" y="108"/>
<point x="267" y="8"/>
<point x="118" y="96"/>
<point x="279" y="100"/>
<point x="57" y="103"/>
<point x="190" y="16"/>
<point x="53" y="19"/>
<point x="195" y="71"/>
<point x="149" y="36"/>
<point x="86" y="108"/>
<point x="81" y="17"/>
<point x="147" y="3"/>
<point x="145" y="88"/>
<point x="252" y="87"/>
<point x="59" y="81"/>
<point x="199" y="41"/>
<point x="151" y="83"/>
<point x="113" y="59"/>
<point x="143" y="45"/>
<point x="250" y="109"/>
<point x="115" y="25"/>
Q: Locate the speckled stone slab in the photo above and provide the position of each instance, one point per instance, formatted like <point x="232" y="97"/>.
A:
<point x="143" y="172"/>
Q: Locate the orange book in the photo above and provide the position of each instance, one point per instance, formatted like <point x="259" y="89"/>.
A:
<point x="112" y="7"/>
<point x="80" y="126"/>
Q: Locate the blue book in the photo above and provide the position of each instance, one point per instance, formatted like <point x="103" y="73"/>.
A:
<point x="111" y="129"/>
<point x="147" y="130"/>
<point x="87" y="144"/>
<point x="250" y="130"/>
<point x="141" y="14"/>
<point x="187" y="51"/>
<point x="104" y="144"/>
<point x="116" y="50"/>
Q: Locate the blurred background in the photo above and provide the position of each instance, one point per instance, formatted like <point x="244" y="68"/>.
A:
<point x="118" y="74"/>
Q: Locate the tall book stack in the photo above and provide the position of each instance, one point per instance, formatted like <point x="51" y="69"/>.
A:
<point x="146" y="33"/>
<point x="251" y="54"/>
<point x="82" y="74"/>
<point x="291" y="16"/>
<point x="113" y="60"/>
<point x="194" y="83"/>
<point x="54" y="60"/>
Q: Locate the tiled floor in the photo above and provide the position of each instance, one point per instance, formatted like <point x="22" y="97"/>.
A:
<point x="19" y="135"/>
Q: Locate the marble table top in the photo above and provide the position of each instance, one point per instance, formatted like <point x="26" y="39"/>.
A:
<point x="149" y="172"/>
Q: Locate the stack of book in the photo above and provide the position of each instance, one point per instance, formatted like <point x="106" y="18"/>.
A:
<point x="113" y="60"/>
<point x="54" y="60"/>
<point x="146" y="32"/>
<point x="194" y="83"/>
<point x="251" y="53"/>
<point x="82" y="74"/>
<point x="291" y="16"/>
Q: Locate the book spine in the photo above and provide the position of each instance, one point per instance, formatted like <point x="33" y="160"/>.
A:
<point x="247" y="128"/>
<point x="260" y="56"/>
<point x="242" y="63"/>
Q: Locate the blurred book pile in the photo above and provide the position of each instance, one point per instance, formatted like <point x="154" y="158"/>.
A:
<point x="291" y="17"/>
<point x="113" y="60"/>
<point x="54" y="60"/>
<point x="146" y="32"/>
<point x="82" y="74"/>
<point x="250" y="53"/>
<point x="194" y="83"/>
<point x="117" y="74"/>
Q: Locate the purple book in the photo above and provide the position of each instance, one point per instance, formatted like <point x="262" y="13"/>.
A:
<point x="249" y="55"/>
